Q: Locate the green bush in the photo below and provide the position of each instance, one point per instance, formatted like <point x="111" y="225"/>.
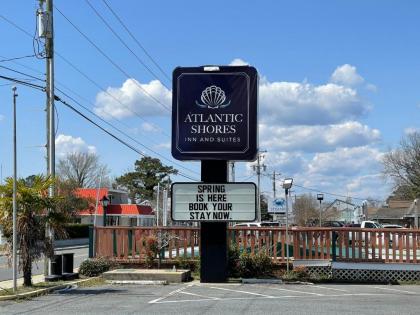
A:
<point x="95" y="266"/>
<point x="299" y="273"/>
<point x="233" y="261"/>
<point x="255" y="266"/>
<point x="187" y="263"/>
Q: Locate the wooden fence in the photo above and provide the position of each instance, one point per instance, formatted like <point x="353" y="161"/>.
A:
<point x="342" y="244"/>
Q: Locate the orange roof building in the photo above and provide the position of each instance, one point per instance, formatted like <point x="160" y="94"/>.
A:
<point x="118" y="212"/>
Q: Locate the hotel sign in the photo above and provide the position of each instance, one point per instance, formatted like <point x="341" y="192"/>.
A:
<point x="214" y="113"/>
<point x="213" y="202"/>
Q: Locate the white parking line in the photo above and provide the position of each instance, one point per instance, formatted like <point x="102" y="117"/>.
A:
<point x="170" y="294"/>
<point x="264" y="297"/>
<point x="334" y="289"/>
<point x="202" y="296"/>
<point x="240" y="291"/>
<point x="296" y="291"/>
<point x="402" y="291"/>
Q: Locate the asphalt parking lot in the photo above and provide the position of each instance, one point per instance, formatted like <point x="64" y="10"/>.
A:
<point x="196" y="298"/>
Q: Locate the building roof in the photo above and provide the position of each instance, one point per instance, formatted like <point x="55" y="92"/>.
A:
<point x="116" y="209"/>
<point x="119" y="210"/>
<point x="389" y="213"/>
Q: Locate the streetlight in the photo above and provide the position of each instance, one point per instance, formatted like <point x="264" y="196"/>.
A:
<point x="15" y="269"/>
<point x="287" y="184"/>
<point x="105" y="203"/>
<point x="320" y="197"/>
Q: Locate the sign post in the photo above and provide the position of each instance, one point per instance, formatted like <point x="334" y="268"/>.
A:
<point x="214" y="119"/>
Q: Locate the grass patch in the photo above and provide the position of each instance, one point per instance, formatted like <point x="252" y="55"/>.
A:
<point x="37" y="286"/>
<point x="92" y="282"/>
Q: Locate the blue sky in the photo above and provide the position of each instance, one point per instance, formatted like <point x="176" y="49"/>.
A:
<point x="339" y="81"/>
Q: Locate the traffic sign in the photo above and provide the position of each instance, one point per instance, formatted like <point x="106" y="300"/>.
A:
<point x="213" y="202"/>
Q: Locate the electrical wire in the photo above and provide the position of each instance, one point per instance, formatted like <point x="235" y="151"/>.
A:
<point x="125" y="134"/>
<point x="110" y="60"/>
<point x="16" y="58"/>
<point x="135" y="39"/>
<point x="106" y="92"/>
<point x="57" y="98"/>
<point x="22" y="73"/>
<point x="124" y="43"/>
<point x="17" y="81"/>
<point x="106" y="122"/>
<point x="80" y="72"/>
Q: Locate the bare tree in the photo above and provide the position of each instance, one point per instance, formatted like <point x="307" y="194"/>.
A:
<point x="305" y="209"/>
<point x="403" y="166"/>
<point x="84" y="169"/>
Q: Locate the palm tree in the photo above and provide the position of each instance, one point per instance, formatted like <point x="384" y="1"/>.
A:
<point x="35" y="209"/>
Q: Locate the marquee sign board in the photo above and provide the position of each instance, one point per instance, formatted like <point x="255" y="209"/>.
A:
<point x="214" y="113"/>
<point x="213" y="202"/>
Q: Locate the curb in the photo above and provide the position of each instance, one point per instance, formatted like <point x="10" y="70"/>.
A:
<point x="71" y="247"/>
<point x="255" y="281"/>
<point x="42" y="291"/>
<point x="142" y="282"/>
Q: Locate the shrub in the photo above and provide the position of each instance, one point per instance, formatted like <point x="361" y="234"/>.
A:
<point x="95" y="266"/>
<point x="258" y="265"/>
<point x="150" y="244"/>
<point x="185" y="263"/>
<point x="233" y="261"/>
<point x="299" y="273"/>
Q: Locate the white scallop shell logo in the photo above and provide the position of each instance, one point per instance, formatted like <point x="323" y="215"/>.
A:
<point x="213" y="97"/>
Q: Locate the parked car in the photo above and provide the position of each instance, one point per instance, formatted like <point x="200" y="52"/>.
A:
<point x="392" y="226"/>
<point x="333" y="224"/>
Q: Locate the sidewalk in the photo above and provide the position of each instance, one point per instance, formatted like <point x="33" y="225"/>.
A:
<point x="8" y="284"/>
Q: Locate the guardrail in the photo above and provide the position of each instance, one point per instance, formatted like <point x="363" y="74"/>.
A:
<point x="338" y="244"/>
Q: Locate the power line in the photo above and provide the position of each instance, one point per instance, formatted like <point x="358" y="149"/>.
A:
<point x="124" y="133"/>
<point x="22" y="73"/>
<point x="135" y="39"/>
<point x="17" y="81"/>
<point x="104" y="90"/>
<point x="57" y="98"/>
<point x="80" y="72"/>
<point x="110" y="60"/>
<point x="16" y="58"/>
<point x="106" y="122"/>
<point x="124" y="43"/>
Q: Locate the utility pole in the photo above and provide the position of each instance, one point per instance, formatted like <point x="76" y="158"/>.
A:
<point x="274" y="193"/>
<point x="14" y="194"/>
<point x="257" y="168"/>
<point x="232" y="171"/>
<point x="46" y="31"/>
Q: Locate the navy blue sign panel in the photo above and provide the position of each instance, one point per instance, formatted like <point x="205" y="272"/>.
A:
<point x="214" y="113"/>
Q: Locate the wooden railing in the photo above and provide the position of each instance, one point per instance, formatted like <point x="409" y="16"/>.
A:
<point x="342" y="244"/>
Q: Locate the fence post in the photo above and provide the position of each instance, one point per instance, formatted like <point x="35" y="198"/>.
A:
<point x="334" y="245"/>
<point x="91" y="242"/>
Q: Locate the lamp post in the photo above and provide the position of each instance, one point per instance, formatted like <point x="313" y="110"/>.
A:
<point x="105" y="203"/>
<point x="287" y="184"/>
<point x="320" y="197"/>
<point x="15" y="269"/>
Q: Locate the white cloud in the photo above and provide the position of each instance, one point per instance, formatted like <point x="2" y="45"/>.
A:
<point x="293" y="103"/>
<point x="317" y="138"/>
<point x="238" y="62"/>
<point x="65" y="144"/>
<point x="165" y="145"/>
<point x="346" y="161"/>
<point x="149" y="127"/>
<point x="410" y="130"/>
<point x="130" y="99"/>
<point x="346" y="75"/>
